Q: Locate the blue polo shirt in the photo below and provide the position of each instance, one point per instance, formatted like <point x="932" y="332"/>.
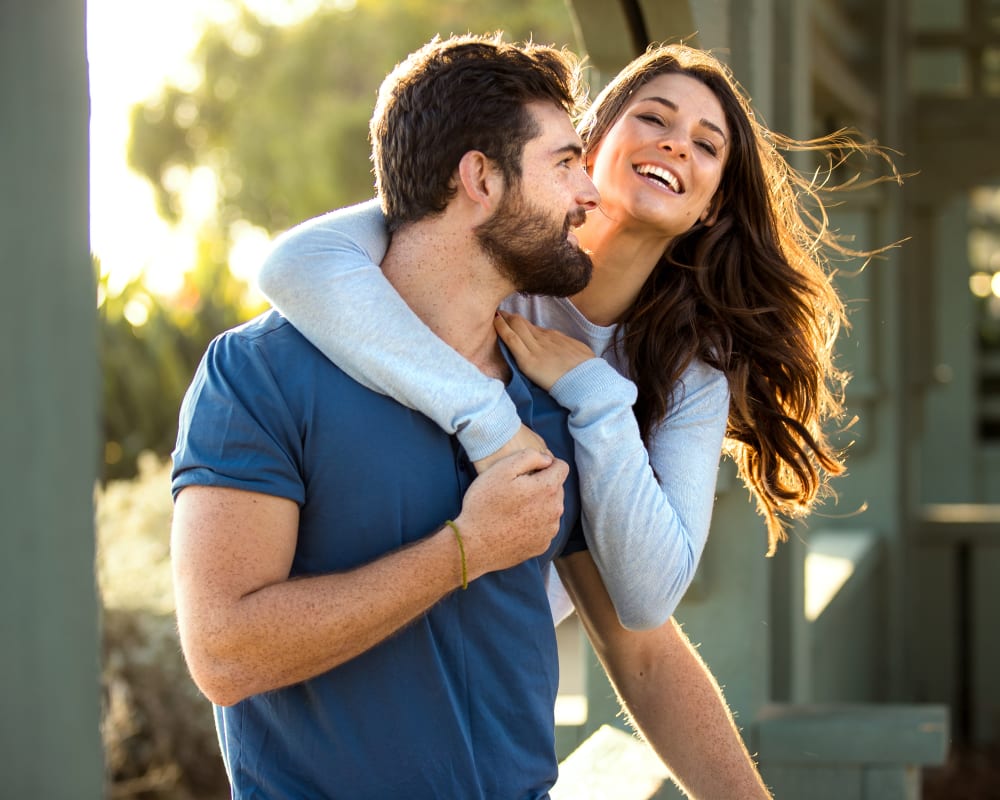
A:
<point x="459" y="704"/>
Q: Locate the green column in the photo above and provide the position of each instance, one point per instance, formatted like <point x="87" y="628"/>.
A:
<point x="49" y="670"/>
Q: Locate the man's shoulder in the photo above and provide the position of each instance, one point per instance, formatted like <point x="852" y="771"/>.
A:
<point x="271" y="356"/>
<point x="272" y="338"/>
<point x="269" y="326"/>
<point x="266" y="359"/>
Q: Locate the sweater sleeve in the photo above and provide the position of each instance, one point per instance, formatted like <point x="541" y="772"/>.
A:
<point x="646" y="515"/>
<point x="323" y="277"/>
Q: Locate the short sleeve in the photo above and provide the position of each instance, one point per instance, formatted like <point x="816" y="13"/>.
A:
<point x="235" y="428"/>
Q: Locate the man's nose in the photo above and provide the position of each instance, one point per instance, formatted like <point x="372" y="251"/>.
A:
<point x="587" y="195"/>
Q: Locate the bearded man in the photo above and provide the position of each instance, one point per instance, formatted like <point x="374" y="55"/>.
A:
<point x="369" y="617"/>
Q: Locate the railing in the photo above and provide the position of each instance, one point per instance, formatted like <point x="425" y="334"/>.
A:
<point x="868" y="751"/>
<point x="857" y="750"/>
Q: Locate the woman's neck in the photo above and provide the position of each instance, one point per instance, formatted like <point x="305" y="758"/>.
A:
<point x="623" y="260"/>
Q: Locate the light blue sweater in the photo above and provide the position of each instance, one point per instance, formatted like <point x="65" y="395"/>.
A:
<point x="646" y="535"/>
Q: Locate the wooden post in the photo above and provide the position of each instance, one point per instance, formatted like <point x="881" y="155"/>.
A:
<point x="49" y="670"/>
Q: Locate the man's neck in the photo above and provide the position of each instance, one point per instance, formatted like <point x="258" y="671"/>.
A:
<point x="450" y="285"/>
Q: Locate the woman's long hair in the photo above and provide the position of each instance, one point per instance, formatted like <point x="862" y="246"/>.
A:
<point x="751" y="295"/>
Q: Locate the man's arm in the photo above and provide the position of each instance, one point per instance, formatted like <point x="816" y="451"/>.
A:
<point x="246" y="627"/>
<point x="668" y="691"/>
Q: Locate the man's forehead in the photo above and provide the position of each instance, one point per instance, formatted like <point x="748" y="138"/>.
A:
<point x="555" y="129"/>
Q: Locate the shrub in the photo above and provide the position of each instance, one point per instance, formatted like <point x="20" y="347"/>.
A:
<point x="159" y="735"/>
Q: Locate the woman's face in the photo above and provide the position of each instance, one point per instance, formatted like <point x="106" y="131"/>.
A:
<point x="661" y="162"/>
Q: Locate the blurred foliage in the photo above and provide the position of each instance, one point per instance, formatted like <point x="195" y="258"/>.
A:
<point x="158" y="731"/>
<point x="280" y="117"/>
<point x="150" y="347"/>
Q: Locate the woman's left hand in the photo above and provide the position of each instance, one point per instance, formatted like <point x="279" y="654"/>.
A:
<point x="542" y="354"/>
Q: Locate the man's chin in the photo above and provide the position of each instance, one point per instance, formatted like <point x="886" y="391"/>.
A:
<point x="568" y="283"/>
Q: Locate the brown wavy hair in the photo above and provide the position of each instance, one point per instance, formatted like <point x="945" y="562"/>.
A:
<point x="751" y="295"/>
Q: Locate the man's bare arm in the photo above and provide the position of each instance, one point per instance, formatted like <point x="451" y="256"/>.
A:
<point x="669" y="693"/>
<point x="246" y="627"/>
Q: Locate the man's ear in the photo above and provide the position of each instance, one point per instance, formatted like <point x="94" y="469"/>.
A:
<point x="480" y="180"/>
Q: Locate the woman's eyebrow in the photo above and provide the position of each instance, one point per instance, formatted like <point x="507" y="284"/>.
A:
<point x="673" y="107"/>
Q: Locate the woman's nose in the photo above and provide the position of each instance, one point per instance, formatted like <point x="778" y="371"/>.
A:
<point x="675" y="144"/>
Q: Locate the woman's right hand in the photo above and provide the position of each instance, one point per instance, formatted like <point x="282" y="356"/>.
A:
<point x="542" y="354"/>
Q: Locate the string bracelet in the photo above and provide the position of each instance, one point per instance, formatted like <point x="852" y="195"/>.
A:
<point x="461" y="552"/>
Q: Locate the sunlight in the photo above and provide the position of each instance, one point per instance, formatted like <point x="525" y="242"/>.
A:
<point x="126" y="233"/>
<point x="825" y="576"/>
<point x="128" y="66"/>
<point x="832" y="560"/>
<point x="981" y="284"/>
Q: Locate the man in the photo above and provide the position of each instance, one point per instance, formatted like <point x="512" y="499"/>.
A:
<point x="316" y="574"/>
<point x="369" y="617"/>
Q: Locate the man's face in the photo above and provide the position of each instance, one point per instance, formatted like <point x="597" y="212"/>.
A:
<point x="530" y="237"/>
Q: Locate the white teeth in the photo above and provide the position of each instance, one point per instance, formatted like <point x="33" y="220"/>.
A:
<point x="665" y="175"/>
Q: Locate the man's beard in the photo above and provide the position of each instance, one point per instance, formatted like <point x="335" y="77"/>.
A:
<point x="531" y="251"/>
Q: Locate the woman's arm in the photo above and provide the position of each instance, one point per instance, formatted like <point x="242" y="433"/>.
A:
<point x="323" y="276"/>
<point x="668" y="693"/>
<point x="646" y="515"/>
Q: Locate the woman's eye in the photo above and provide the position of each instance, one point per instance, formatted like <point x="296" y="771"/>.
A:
<point x="708" y="147"/>
<point x="653" y="118"/>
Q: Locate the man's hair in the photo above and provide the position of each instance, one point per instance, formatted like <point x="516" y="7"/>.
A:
<point x="456" y="95"/>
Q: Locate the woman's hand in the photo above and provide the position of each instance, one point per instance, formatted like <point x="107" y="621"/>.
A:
<point x="543" y="355"/>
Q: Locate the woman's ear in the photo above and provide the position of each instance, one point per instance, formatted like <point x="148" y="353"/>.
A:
<point x="480" y="180"/>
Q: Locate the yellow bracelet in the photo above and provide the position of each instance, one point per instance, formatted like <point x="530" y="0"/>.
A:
<point x="461" y="552"/>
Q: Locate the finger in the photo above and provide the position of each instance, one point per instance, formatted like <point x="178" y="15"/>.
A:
<point x="502" y="325"/>
<point x="506" y="332"/>
<point x="526" y="462"/>
<point x="560" y="470"/>
<point x="522" y="327"/>
<point x="509" y="336"/>
<point x="554" y="475"/>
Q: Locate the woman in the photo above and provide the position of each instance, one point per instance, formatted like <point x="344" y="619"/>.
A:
<point x="709" y="293"/>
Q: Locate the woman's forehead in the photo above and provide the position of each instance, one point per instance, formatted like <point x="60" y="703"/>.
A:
<point x="685" y="92"/>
